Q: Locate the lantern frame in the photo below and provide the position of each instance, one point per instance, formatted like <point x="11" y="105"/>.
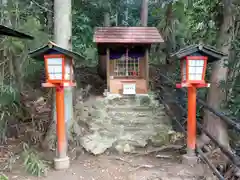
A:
<point x="62" y="80"/>
<point x="186" y="60"/>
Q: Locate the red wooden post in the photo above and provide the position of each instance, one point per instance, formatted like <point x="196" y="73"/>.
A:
<point x="62" y="160"/>
<point x="61" y="132"/>
<point x="191" y="123"/>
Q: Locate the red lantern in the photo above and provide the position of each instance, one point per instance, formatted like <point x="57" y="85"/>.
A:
<point x="59" y="69"/>
<point x="193" y="71"/>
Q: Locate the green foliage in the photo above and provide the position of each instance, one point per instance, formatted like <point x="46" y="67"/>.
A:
<point x="32" y="69"/>
<point x="32" y="162"/>
<point x="15" y="65"/>
<point x="3" y="177"/>
<point x="8" y="94"/>
<point x="82" y="38"/>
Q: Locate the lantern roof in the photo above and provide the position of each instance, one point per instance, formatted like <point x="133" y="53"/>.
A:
<point x="52" y="48"/>
<point x="199" y="50"/>
<point x="10" y="32"/>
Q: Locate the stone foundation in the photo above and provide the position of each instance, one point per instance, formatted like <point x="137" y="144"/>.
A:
<point x="122" y="123"/>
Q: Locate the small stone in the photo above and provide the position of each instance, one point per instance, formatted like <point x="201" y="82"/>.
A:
<point x="119" y="148"/>
<point x="128" y="148"/>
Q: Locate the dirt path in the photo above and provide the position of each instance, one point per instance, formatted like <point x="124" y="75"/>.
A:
<point x="123" y="168"/>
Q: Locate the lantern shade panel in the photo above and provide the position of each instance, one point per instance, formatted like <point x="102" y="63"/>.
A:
<point x="54" y="68"/>
<point x="68" y="69"/>
<point x="184" y="70"/>
<point x="195" y="69"/>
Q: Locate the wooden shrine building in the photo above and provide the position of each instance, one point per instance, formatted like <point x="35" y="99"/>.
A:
<point x="123" y="57"/>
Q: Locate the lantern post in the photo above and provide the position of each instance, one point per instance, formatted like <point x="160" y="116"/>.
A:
<point x="193" y="69"/>
<point x="194" y="61"/>
<point x="59" y="74"/>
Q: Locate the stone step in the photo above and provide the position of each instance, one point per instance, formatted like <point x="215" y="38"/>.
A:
<point x="143" y="128"/>
<point x="128" y="108"/>
<point x="130" y="120"/>
<point x="128" y="135"/>
<point x="138" y="100"/>
<point x="135" y="123"/>
<point x="144" y="135"/>
<point x="130" y="129"/>
<point x="133" y="108"/>
<point x="125" y="119"/>
<point x="124" y="101"/>
<point x="127" y="124"/>
<point x="135" y="115"/>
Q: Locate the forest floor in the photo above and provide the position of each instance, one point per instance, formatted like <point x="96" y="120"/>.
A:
<point x="126" y="167"/>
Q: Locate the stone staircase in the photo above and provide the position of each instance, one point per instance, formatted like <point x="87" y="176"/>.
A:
<point x="123" y="123"/>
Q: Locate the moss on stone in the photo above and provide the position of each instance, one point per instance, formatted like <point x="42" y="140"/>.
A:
<point x="132" y="121"/>
<point x="160" y="139"/>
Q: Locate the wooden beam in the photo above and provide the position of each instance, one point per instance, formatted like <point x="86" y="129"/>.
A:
<point x="108" y="69"/>
<point x="147" y="67"/>
<point x="107" y="24"/>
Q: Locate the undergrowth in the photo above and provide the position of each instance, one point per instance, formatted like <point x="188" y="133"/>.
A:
<point x="3" y="177"/>
<point x="33" y="164"/>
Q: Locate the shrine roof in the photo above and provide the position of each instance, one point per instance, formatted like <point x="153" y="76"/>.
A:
<point x="127" y="35"/>
<point x="10" y="32"/>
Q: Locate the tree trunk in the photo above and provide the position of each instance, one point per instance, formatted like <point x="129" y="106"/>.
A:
<point x="216" y="95"/>
<point x="126" y="14"/>
<point x="234" y="72"/>
<point x="107" y="19"/>
<point x="144" y="22"/>
<point x="63" y="38"/>
<point x="144" y="13"/>
<point x="169" y="33"/>
<point x="50" y="26"/>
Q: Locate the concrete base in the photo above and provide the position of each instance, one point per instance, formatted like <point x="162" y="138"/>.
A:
<point x="189" y="159"/>
<point x="61" y="163"/>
